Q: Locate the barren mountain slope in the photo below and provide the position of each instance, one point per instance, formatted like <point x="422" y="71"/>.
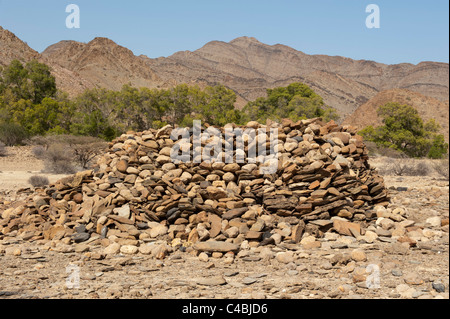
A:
<point x="249" y="67"/>
<point x="11" y="48"/>
<point x="427" y="107"/>
<point x="102" y="62"/>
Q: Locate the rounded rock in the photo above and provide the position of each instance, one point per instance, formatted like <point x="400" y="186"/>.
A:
<point x="228" y="177"/>
<point x="439" y="287"/>
<point x="203" y="257"/>
<point x="358" y="255"/>
<point x="285" y="257"/>
<point x="112" y="249"/>
<point x="434" y="221"/>
<point x="129" y="249"/>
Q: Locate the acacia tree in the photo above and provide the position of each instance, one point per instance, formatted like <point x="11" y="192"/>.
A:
<point x="218" y="107"/>
<point x="95" y="114"/>
<point x="41" y="83"/>
<point x="296" y="101"/>
<point x="152" y="107"/>
<point x="30" y="82"/>
<point x="405" y="131"/>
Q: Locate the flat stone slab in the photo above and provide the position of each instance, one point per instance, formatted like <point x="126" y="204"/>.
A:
<point x="216" y="246"/>
<point x="212" y="281"/>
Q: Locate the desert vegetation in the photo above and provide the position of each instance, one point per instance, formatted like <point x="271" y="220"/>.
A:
<point x="31" y="105"/>
<point x="66" y="154"/>
<point x="442" y="167"/>
<point x="404" y="131"/>
<point x="68" y="133"/>
<point x="38" y="181"/>
<point x="296" y="101"/>
<point x="2" y="149"/>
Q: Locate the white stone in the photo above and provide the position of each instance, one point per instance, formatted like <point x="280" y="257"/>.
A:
<point x="277" y="238"/>
<point x="308" y="240"/>
<point x="228" y="177"/>
<point x="132" y="170"/>
<point x="434" y="221"/>
<point x="185" y="177"/>
<point x="285" y="257"/>
<point x="369" y="237"/>
<point x="232" y="232"/>
<point x="266" y="252"/>
<point x="289" y="147"/>
<point x="147" y="249"/>
<point x="123" y="211"/>
<point x="129" y="249"/>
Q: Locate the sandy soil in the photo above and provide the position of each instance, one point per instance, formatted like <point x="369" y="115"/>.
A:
<point x="18" y="166"/>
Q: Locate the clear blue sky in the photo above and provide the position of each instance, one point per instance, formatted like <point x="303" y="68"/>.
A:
<point x="410" y="31"/>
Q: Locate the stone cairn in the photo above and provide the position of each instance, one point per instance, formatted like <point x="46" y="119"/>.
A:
<point x="136" y="194"/>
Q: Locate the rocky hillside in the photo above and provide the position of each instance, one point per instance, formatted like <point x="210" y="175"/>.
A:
<point x="244" y="64"/>
<point x="249" y="67"/>
<point x="102" y="62"/>
<point x="11" y="48"/>
<point x="427" y="107"/>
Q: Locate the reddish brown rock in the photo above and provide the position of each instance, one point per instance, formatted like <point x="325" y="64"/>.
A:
<point x="346" y="228"/>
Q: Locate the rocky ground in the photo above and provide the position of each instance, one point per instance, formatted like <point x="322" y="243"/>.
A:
<point x="335" y="266"/>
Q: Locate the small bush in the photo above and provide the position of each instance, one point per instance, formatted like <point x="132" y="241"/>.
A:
<point x="85" y="149"/>
<point x="405" y="167"/>
<point x="421" y="169"/>
<point x="12" y="134"/>
<point x="442" y="168"/>
<point x="38" y="181"/>
<point x="2" y="149"/>
<point x="58" y="159"/>
<point x="39" y="151"/>
<point x="61" y="167"/>
<point x="377" y="150"/>
<point x="66" y="153"/>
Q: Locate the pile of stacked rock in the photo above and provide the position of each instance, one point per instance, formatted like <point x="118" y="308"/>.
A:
<point x="319" y="180"/>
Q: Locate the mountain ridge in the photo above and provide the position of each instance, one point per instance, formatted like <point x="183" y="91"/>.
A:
<point x="244" y="64"/>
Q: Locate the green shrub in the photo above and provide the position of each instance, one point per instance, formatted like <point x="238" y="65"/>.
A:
<point x="296" y="101"/>
<point x="405" y="131"/>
